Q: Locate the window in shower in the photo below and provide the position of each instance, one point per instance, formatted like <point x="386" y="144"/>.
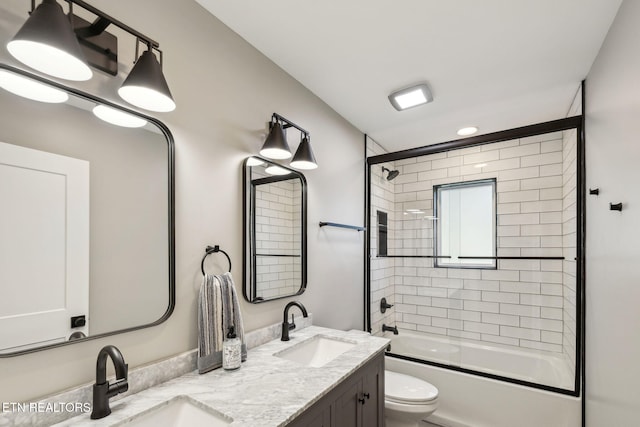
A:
<point x="465" y="224"/>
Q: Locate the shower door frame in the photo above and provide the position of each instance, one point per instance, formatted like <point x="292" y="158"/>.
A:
<point x="574" y="122"/>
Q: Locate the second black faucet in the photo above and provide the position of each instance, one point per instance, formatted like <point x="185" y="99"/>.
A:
<point x="286" y="326"/>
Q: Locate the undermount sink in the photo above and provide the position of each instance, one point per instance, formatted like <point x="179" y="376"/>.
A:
<point x="178" y="412"/>
<point x="317" y="351"/>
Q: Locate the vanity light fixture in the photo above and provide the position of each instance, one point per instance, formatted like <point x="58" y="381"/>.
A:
<point x="411" y="96"/>
<point x="276" y="146"/>
<point x="467" y="131"/>
<point x="57" y="44"/>
<point x="118" y="117"/>
<point x="31" y="89"/>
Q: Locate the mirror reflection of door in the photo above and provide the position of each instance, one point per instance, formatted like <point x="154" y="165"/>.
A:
<point x="44" y="257"/>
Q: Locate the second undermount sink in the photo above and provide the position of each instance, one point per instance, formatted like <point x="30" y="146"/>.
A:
<point x="317" y="351"/>
<point x="180" y="411"/>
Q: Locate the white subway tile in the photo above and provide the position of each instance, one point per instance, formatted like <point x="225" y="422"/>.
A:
<point x="481" y="157"/>
<point x="520" y="264"/>
<point x="405" y="308"/>
<point x="550" y="217"/>
<point x="500" y="319"/>
<point x="550" y="289"/>
<point x="519" y="242"/>
<point x="408" y="290"/>
<point x="417" y="319"/>
<point x="518" y="196"/>
<point x="544" y="182"/>
<point x="541" y="276"/>
<point x="508" y="230"/>
<point x="462" y="273"/>
<point x="542" y="324"/>
<point x="551" y="337"/>
<point x="550" y="193"/>
<point x="417" y="167"/>
<point x="432" y="311"/>
<point x="412" y="299"/>
<point x="437" y="282"/>
<point x="508" y="208"/>
<point x="500" y="275"/>
<point x="447" y="303"/>
<point x="551" y="170"/>
<point x="506" y="186"/>
<point x="520" y="287"/>
<point x="542" y="230"/>
<point x="481" y="328"/>
<point x="489" y="307"/>
<point x="541" y="206"/>
<point x="551" y="313"/>
<point x="482" y="285"/>
<point x="551" y="241"/>
<point x="541" y="300"/>
<point x="500" y="145"/>
<point x="473" y="316"/>
<point x="513" y="332"/>
<point x="505" y="297"/>
<point x="433" y="292"/>
<point x="551" y="146"/>
<point x="522" y="173"/>
<point x="447" y="323"/>
<point x="520" y="151"/>
<point x="541" y="159"/>
<point x="464" y="294"/>
<point x="519" y="219"/>
<point x="520" y="310"/>
<point x="446" y="163"/>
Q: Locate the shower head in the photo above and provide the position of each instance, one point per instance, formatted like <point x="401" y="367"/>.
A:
<point x="392" y="173"/>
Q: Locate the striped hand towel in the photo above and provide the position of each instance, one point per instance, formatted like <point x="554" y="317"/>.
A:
<point x="218" y="309"/>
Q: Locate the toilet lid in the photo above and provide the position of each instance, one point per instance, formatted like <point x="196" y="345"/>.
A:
<point x="407" y="389"/>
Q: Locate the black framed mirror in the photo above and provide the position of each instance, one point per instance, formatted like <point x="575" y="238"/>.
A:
<point x="87" y="223"/>
<point x="275" y="230"/>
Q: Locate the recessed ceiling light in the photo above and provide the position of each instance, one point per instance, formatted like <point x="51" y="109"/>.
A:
<point x="467" y="131"/>
<point x="410" y="97"/>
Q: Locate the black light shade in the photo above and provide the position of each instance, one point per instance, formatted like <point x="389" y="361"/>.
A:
<point x="47" y="43"/>
<point x="146" y="87"/>
<point x="276" y="146"/>
<point x="304" y="158"/>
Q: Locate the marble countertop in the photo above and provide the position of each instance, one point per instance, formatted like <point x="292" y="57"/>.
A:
<point x="266" y="391"/>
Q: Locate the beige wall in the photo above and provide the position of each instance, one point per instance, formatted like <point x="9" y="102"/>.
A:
<point x="226" y="92"/>
<point x="612" y="278"/>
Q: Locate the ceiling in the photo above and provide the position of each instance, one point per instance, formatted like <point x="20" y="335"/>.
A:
<point x="494" y="64"/>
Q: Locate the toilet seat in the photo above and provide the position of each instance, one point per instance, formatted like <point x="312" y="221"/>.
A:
<point x="408" y="390"/>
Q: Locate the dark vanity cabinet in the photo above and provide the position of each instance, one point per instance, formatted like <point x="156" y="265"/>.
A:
<point x="358" y="401"/>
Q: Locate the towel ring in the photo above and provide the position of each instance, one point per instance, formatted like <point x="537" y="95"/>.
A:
<point x="210" y="250"/>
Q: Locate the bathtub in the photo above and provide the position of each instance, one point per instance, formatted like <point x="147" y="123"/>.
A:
<point x="468" y="400"/>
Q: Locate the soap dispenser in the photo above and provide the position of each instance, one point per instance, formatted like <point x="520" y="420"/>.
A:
<point x="231" y="351"/>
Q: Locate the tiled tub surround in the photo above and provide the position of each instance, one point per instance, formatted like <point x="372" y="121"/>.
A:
<point x="523" y="303"/>
<point x="266" y="391"/>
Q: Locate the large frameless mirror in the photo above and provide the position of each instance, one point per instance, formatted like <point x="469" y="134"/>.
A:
<point x="86" y="225"/>
<point x="275" y="223"/>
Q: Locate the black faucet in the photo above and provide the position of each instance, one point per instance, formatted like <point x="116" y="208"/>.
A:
<point x="102" y="390"/>
<point x="393" y="329"/>
<point x="286" y="326"/>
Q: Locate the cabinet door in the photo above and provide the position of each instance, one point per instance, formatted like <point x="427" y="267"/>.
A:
<point x="317" y="416"/>
<point x="347" y="406"/>
<point x="373" y="393"/>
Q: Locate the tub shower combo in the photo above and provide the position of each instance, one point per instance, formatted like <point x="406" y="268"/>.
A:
<point x="475" y="256"/>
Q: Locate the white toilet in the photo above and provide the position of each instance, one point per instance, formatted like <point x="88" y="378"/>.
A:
<point x="407" y="400"/>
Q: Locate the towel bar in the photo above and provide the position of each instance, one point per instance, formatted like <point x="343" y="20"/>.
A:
<point x="210" y="250"/>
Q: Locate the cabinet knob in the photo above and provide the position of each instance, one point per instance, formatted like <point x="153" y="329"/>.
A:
<point x="361" y="400"/>
<point x="367" y="395"/>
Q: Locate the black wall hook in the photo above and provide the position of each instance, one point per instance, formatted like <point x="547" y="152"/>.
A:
<point x="211" y="250"/>
<point x="594" y="192"/>
<point x="615" y="207"/>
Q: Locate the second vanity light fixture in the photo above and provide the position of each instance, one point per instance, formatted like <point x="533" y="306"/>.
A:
<point x="276" y="146"/>
<point x="65" y="46"/>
